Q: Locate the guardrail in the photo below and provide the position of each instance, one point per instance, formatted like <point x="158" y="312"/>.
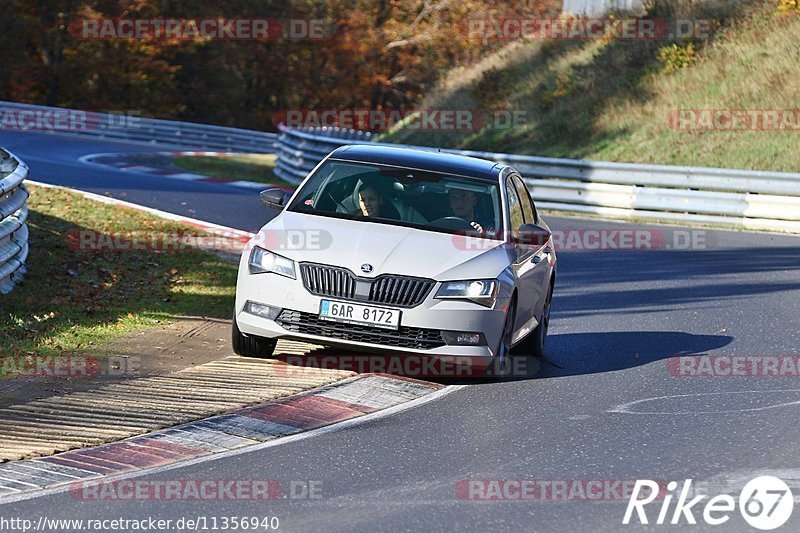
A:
<point x="299" y="151"/>
<point x="13" y="213"/>
<point x="168" y="133"/>
<point x="598" y="8"/>
<point x="740" y="199"/>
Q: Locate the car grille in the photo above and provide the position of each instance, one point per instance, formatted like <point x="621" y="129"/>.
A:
<point x="389" y="289"/>
<point x="404" y="337"/>
<point x="328" y="281"/>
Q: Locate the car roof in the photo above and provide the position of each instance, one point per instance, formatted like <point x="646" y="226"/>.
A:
<point x="460" y="165"/>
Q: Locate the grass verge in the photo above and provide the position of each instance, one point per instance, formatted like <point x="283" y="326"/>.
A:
<point x="73" y="299"/>
<point x="234" y="167"/>
<point x="614" y="100"/>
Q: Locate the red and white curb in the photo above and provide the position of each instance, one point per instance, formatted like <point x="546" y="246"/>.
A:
<point x="274" y="422"/>
<point x="176" y="174"/>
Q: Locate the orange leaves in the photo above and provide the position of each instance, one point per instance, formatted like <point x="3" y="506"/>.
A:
<point x="383" y="54"/>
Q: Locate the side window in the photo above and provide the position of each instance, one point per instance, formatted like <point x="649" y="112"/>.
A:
<point x="525" y="198"/>
<point x="514" y="206"/>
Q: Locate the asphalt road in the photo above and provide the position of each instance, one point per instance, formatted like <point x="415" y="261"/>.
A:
<point x="606" y="405"/>
<point x="55" y="159"/>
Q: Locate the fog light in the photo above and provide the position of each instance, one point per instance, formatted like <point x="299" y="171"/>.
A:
<point x="464" y="338"/>
<point x="264" y="311"/>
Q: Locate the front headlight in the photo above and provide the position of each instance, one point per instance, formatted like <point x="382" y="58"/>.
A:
<point x="263" y="261"/>
<point x="483" y="291"/>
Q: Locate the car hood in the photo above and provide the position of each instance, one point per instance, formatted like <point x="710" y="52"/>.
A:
<point x="389" y="249"/>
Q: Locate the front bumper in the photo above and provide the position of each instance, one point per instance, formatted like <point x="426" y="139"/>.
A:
<point x="419" y="326"/>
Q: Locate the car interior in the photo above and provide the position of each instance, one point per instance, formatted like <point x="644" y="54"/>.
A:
<point x="413" y="197"/>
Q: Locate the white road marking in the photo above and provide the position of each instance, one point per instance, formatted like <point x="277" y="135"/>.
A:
<point x="88" y="159"/>
<point x="625" y="408"/>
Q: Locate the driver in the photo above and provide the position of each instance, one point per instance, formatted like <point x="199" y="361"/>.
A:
<point x="462" y="204"/>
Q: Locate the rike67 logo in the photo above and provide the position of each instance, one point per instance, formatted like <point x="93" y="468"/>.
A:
<point x="765" y="503"/>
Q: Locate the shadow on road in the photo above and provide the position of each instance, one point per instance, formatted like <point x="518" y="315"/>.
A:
<point x="571" y="354"/>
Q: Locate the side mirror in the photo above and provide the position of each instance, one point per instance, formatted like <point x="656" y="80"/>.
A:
<point x="533" y="235"/>
<point x="275" y="198"/>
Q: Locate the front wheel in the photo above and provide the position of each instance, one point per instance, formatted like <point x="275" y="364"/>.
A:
<point x="251" y="346"/>
<point x="533" y="344"/>
<point x="500" y="365"/>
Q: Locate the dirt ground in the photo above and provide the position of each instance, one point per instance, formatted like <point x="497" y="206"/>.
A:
<point x="186" y="342"/>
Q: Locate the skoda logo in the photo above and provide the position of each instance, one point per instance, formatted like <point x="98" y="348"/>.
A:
<point x="366" y="268"/>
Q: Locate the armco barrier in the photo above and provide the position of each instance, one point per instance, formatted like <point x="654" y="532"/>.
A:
<point x="299" y="151"/>
<point x="741" y="199"/>
<point x="166" y="133"/>
<point x="13" y="213"/>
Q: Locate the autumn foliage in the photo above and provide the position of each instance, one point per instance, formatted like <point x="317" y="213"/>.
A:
<point x="376" y="54"/>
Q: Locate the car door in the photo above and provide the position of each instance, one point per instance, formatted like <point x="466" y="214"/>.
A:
<point x="523" y="264"/>
<point x="538" y="263"/>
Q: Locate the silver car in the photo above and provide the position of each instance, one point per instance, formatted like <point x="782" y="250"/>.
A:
<point x="396" y="250"/>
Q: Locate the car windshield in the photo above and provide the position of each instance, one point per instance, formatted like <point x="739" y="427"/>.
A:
<point x="402" y="197"/>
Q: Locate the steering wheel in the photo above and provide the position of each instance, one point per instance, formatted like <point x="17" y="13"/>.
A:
<point x="452" y="223"/>
<point x="339" y="207"/>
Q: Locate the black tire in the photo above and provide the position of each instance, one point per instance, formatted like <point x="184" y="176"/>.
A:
<point x="501" y="365"/>
<point x="533" y="344"/>
<point x="251" y="346"/>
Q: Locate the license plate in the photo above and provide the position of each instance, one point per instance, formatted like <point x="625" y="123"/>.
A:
<point x="378" y="317"/>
